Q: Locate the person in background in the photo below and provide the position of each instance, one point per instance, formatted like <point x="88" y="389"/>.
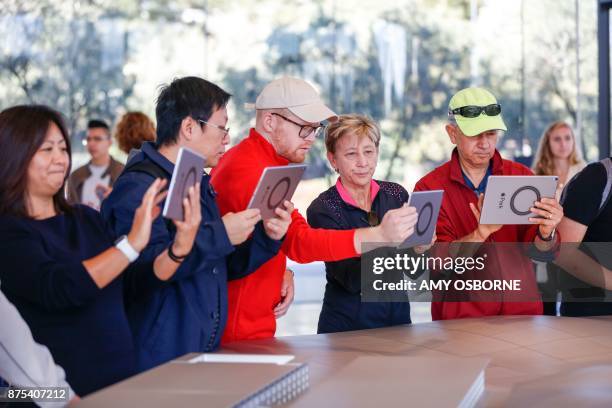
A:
<point x="91" y="183"/>
<point x="356" y="201"/>
<point x="557" y="155"/>
<point x="61" y="266"/>
<point x="133" y="129"/>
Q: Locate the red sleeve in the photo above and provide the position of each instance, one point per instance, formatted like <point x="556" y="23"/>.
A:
<point x="305" y="244"/>
<point x="236" y="179"/>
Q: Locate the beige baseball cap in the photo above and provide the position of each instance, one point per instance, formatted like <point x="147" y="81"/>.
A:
<point x="296" y="95"/>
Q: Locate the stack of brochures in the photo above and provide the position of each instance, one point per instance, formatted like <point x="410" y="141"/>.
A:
<point x="278" y="381"/>
<point x="437" y="381"/>
<point x="209" y="380"/>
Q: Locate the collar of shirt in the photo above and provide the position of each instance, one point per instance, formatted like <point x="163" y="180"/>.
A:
<point x="267" y="148"/>
<point x="483" y="184"/>
<point x="347" y="198"/>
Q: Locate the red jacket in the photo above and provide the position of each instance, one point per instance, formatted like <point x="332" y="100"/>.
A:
<point x="251" y="300"/>
<point x="456" y="220"/>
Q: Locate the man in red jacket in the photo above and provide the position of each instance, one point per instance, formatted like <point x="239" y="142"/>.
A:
<point x="288" y="119"/>
<point x="475" y="123"/>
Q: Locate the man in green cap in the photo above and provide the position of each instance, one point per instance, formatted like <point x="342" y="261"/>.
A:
<point x="475" y="123"/>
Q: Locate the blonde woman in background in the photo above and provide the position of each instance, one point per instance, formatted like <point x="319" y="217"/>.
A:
<point x="557" y="155"/>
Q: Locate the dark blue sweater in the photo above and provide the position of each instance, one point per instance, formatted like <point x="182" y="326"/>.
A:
<point x="188" y="312"/>
<point x="42" y="274"/>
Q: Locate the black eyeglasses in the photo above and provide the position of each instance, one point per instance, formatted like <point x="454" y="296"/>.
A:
<point x="373" y="219"/>
<point x="472" y="111"/>
<point x="305" y="130"/>
<point x="221" y="128"/>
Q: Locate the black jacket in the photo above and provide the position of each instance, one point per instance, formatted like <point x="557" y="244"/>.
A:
<point x="342" y="307"/>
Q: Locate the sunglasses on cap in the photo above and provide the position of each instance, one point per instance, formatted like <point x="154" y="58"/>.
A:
<point x="472" y="111"/>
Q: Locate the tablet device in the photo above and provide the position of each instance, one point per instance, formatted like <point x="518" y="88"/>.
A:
<point x="508" y="199"/>
<point x="427" y="204"/>
<point x="188" y="170"/>
<point x="276" y="185"/>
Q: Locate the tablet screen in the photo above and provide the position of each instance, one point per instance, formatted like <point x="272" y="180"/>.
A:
<point x="276" y="185"/>
<point x="508" y="199"/>
<point x="427" y="204"/>
<point x="187" y="172"/>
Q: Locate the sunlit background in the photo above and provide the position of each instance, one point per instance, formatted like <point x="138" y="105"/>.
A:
<point x="398" y="61"/>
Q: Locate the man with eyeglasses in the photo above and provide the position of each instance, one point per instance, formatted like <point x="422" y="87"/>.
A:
<point x="475" y="123"/>
<point x="89" y="184"/>
<point x="289" y="112"/>
<point x="186" y="311"/>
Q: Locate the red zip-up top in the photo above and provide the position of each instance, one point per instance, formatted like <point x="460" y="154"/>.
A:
<point x="251" y="300"/>
<point x="456" y="221"/>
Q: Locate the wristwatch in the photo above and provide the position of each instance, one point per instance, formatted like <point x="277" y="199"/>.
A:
<point x="549" y="238"/>
<point x="126" y="248"/>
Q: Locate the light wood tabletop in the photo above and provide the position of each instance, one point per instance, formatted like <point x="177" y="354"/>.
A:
<point x="533" y="360"/>
<point x="521" y="349"/>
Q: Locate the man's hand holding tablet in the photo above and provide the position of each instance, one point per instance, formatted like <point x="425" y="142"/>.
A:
<point x="241" y="224"/>
<point x="508" y="200"/>
<point x="187" y="229"/>
<point x="484" y="230"/>
<point x="515" y="200"/>
<point x="276" y="227"/>
<point x="275" y="187"/>
<point x="183" y="207"/>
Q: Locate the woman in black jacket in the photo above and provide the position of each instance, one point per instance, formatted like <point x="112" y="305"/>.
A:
<point x="59" y="265"/>
<point x="355" y="201"/>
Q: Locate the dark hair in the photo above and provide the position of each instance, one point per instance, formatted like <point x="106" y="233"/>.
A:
<point x="184" y="97"/>
<point x="133" y="129"/>
<point x="23" y="130"/>
<point x="97" y="123"/>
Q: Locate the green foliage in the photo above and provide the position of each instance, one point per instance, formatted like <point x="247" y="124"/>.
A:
<point x="63" y="59"/>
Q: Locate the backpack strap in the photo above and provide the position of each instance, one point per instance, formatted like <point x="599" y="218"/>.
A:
<point x="566" y="187"/>
<point x="606" y="193"/>
<point x="147" y="167"/>
<point x="153" y="170"/>
<point x="605" y="196"/>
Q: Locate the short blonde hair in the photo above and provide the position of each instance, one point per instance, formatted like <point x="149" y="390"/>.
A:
<point x="352" y="123"/>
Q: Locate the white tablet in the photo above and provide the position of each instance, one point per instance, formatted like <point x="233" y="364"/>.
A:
<point x="427" y="204"/>
<point x="508" y="199"/>
<point x="187" y="172"/>
<point x="276" y="185"/>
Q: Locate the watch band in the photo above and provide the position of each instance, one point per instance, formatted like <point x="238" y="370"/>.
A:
<point x="173" y="256"/>
<point x="547" y="239"/>
<point x="126" y="248"/>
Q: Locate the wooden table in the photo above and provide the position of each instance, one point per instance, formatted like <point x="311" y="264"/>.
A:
<point x="521" y="350"/>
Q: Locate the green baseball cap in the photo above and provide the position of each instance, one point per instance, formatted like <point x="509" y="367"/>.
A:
<point x="480" y="97"/>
